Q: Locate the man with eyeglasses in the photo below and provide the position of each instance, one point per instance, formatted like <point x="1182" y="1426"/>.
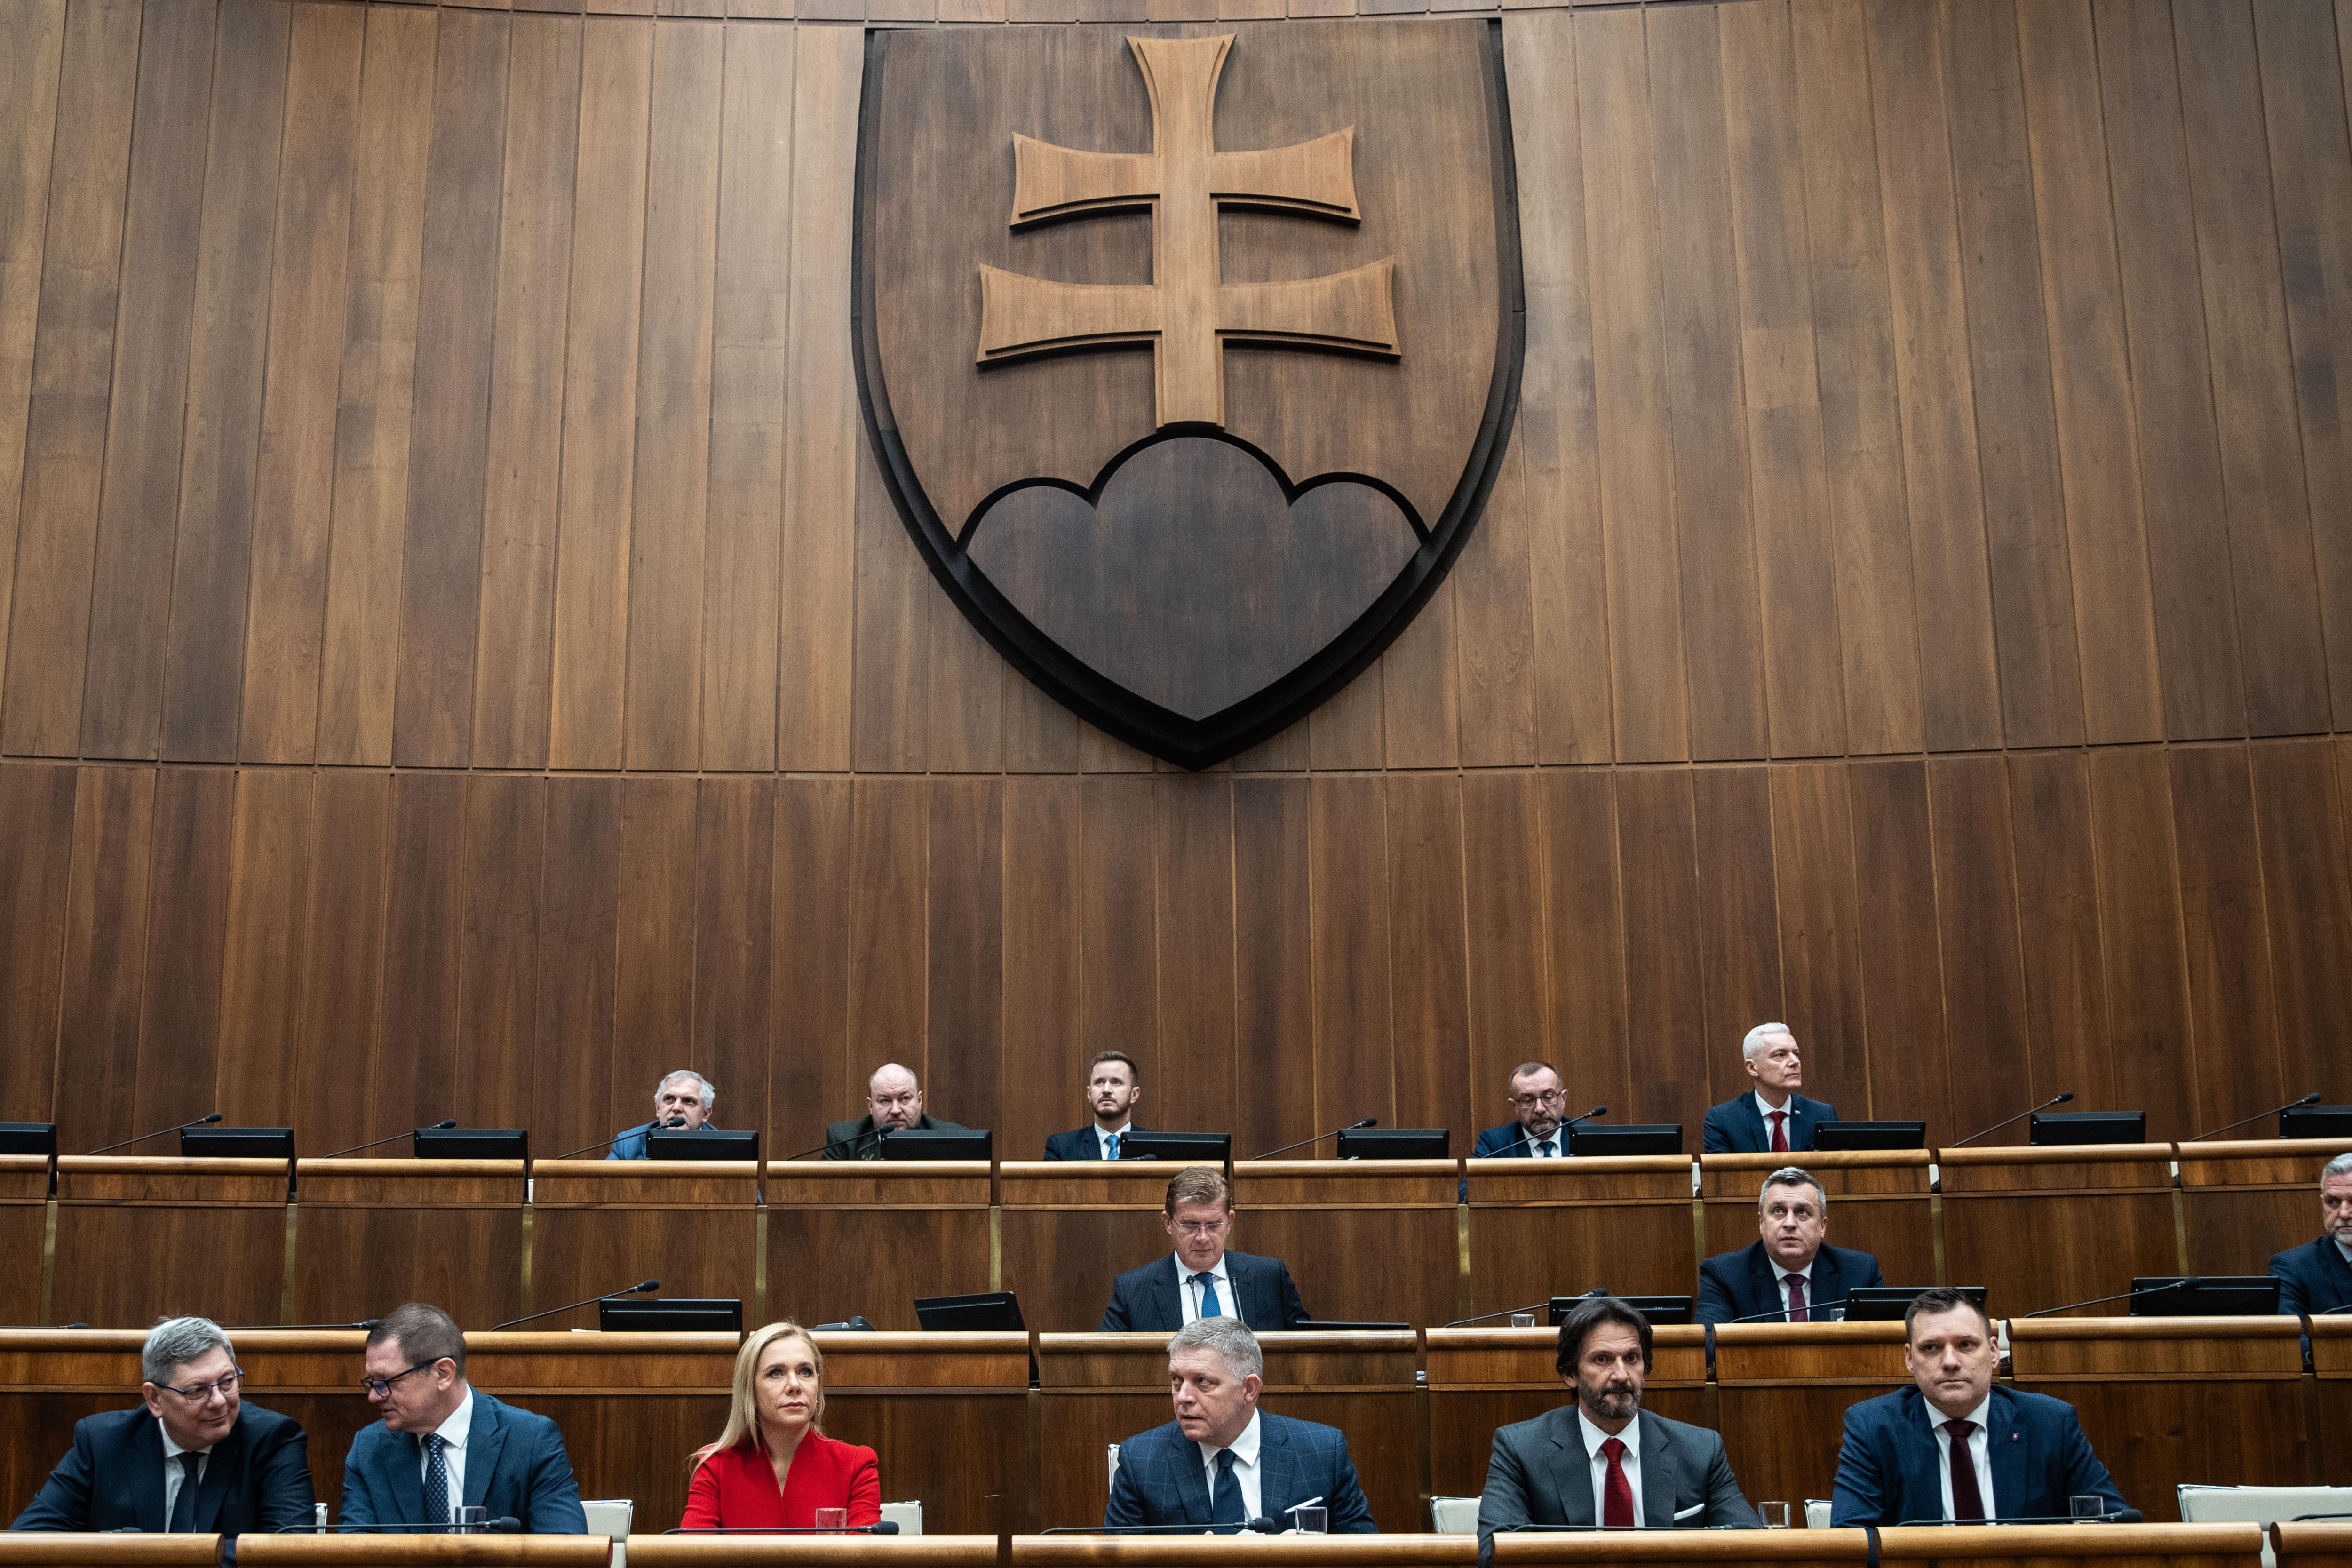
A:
<point x="1534" y="1132"/>
<point x="894" y="1102"/>
<point x="442" y="1446"/>
<point x="193" y="1458"/>
<point x="1200" y="1278"/>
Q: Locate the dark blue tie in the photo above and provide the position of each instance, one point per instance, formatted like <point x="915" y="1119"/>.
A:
<point x="1543" y="1149"/>
<point x="183" y="1507"/>
<point x="1210" y="1306"/>
<point x="437" y="1479"/>
<point x="1225" y="1497"/>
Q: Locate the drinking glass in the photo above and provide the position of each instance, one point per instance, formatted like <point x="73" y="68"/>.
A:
<point x="1776" y="1515"/>
<point x="1312" y="1520"/>
<point x="1523" y="1320"/>
<point x="2087" y="1506"/>
<point x="833" y="1518"/>
<point x="472" y="1519"/>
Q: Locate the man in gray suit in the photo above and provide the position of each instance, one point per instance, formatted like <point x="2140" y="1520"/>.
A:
<point x="1604" y="1460"/>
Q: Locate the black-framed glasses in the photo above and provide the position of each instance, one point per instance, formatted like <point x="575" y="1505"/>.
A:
<point x="377" y="1387"/>
<point x="224" y="1387"/>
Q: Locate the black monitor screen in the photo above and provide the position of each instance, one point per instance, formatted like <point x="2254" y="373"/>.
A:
<point x="701" y="1144"/>
<point x="2316" y="1122"/>
<point x="28" y="1138"/>
<point x="1652" y="1138"/>
<point x="1833" y="1135"/>
<point x="1191" y="1147"/>
<point x="1887" y="1303"/>
<point x="674" y="1315"/>
<point x="2089" y="1127"/>
<point x="1397" y="1144"/>
<point x="988" y="1311"/>
<point x="1657" y="1309"/>
<point x="2214" y="1296"/>
<point x="238" y="1143"/>
<point x="473" y="1143"/>
<point x="938" y="1143"/>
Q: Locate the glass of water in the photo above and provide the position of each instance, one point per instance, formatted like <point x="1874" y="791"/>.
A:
<point x="833" y="1518"/>
<point x="2088" y="1506"/>
<point x="1776" y="1515"/>
<point x="1523" y="1320"/>
<point x="1314" y="1519"/>
<point x="473" y="1519"/>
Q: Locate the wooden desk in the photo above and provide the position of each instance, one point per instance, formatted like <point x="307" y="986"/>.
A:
<point x="2040" y="1227"/>
<point x="24" y="1239"/>
<point x="371" y="1234"/>
<point x="1879" y="1201"/>
<point x="1100" y="1389"/>
<point x="1783" y="1394"/>
<point x="695" y="1225"/>
<point x="1070" y="1227"/>
<point x="1966" y="1546"/>
<point x="64" y="1550"/>
<point x="1221" y="1551"/>
<point x="2243" y="1201"/>
<point x="950" y="1416"/>
<point x="1368" y="1240"/>
<point x="425" y="1551"/>
<point x="2331" y="1364"/>
<point x="143" y="1239"/>
<point x="869" y="1236"/>
<point x="925" y="1550"/>
<point x="1540" y="1228"/>
<point x="2312" y="1545"/>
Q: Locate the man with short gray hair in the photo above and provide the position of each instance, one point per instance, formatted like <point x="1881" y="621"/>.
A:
<point x="2318" y="1277"/>
<point x="682" y="1103"/>
<point x="1772" y="1118"/>
<point x="192" y="1458"/>
<point x="1223" y="1463"/>
<point x="1788" y="1274"/>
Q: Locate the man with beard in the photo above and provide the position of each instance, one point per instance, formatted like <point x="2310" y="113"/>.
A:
<point x="894" y="1102"/>
<point x="1534" y="1132"/>
<point x="2318" y="1277"/>
<point x="1114" y="1083"/>
<point x="1605" y="1460"/>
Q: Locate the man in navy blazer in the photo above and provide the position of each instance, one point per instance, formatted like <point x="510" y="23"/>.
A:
<point x="1224" y="1462"/>
<point x="681" y="1104"/>
<point x="2317" y="1277"/>
<point x="2025" y="1455"/>
<point x="442" y="1446"/>
<point x="1200" y="1278"/>
<point x="129" y="1470"/>
<point x="1114" y="1083"/>
<point x="1772" y="1118"/>
<point x="1788" y="1274"/>
<point x="1534" y="1132"/>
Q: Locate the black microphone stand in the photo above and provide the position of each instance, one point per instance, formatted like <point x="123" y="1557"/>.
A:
<point x="656" y="1126"/>
<point x="1559" y="1132"/>
<point x="2190" y="1281"/>
<point x="182" y="1127"/>
<point x="641" y="1288"/>
<point x="1352" y="1126"/>
<point x="2311" y="1098"/>
<point x="2053" y="1100"/>
<point x="442" y="1125"/>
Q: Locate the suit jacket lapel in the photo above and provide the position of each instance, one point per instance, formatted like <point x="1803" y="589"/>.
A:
<point x="1277" y="1470"/>
<point x="1753" y="1120"/>
<point x="407" y="1479"/>
<point x="1167" y="1295"/>
<point x="228" y="1455"/>
<point x="1923" y="1474"/>
<point x="2008" y="1442"/>
<point x="482" y="1445"/>
<point x="1192" y="1480"/>
<point x="147" y="1474"/>
<point x="1572" y="1472"/>
<point x="1768" y="1283"/>
<point x="2332" y="1264"/>
<point x="1661" y="1475"/>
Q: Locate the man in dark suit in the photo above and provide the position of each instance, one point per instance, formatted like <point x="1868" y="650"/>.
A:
<point x="442" y="1446"/>
<point x="1114" y="1083"/>
<point x="1224" y="1462"/>
<point x="1772" y="1118"/>
<point x="192" y="1458"/>
<point x="894" y="1102"/>
<point x="1956" y="1447"/>
<point x="1534" y="1131"/>
<point x="1200" y="1278"/>
<point x="681" y="1104"/>
<point x="2318" y="1277"/>
<point x="1788" y="1274"/>
<point x="1605" y="1460"/>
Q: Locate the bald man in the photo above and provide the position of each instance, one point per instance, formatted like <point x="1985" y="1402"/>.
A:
<point x="894" y="1101"/>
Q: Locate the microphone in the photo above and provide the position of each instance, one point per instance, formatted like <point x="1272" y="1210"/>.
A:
<point x="1508" y="1312"/>
<point x="199" y="1121"/>
<point x="2190" y="1281"/>
<point x="2311" y="1098"/>
<point x="639" y="1288"/>
<point x="505" y="1525"/>
<point x="2053" y="1100"/>
<point x="607" y="1143"/>
<point x="293" y="1328"/>
<point x="1559" y="1132"/>
<point x="1260" y="1525"/>
<point x="1286" y="1148"/>
<point x="888" y="1527"/>
<point x="806" y="1152"/>
<point x="442" y="1125"/>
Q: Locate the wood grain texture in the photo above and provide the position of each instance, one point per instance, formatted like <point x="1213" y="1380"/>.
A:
<point x="28" y="124"/>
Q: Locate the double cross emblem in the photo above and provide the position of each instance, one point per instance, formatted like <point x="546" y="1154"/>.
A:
<point x="1187" y="312"/>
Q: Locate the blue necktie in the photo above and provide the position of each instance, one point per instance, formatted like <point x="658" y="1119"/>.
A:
<point x="1543" y="1149"/>
<point x="183" y="1507"/>
<point x="1210" y="1306"/>
<point x="1225" y="1497"/>
<point x="437" y="1479"/>
<point x="1110" y="1147"/>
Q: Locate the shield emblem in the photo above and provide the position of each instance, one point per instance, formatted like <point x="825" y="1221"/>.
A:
<point x="1188" y="355"/>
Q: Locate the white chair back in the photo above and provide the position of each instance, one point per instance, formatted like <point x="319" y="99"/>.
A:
<point x="1453" y="1515"/>
<point x="2258" y="1505"/>
<point x="907" y="1516"/>
<point x="1817" y="1514"/>
<point x="611" y="1516"/>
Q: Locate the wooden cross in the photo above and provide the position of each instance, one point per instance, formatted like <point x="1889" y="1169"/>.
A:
<point x="1186" y="312"/>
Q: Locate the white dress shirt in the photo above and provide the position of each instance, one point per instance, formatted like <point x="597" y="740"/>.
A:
<point x="1812" y="1308"/>
<point x="172" y="1472"/>
<point x="1979" y="1450"/>
<point x="1188" y="1292"/>
<point x="1630" y="1463"/>
<point x="1787" y="1110"/>
<point x="2346" y="1250"/>
<point x="1102" y="1139"/>
<point x="1245" y="1469"/>
<point x="1548" y="1148"/>
<point x="454" y="1433"/>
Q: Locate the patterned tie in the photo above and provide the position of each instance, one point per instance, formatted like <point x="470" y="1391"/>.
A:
<point x="1616" y="1493"/>
<point x="1210" y="1306"/>
<point x="1225" y="1497"/>
<point x="1110" y="1147"/>
<point x="1968" y="1503"/>
<point x="1779" y="1132"/>
<point x="183" y="1507"/>
<point x="1798" y="1313"/>
<point x="437" y="1479"/>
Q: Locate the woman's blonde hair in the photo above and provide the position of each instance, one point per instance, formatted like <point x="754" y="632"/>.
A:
<point x="743" y="1415"/>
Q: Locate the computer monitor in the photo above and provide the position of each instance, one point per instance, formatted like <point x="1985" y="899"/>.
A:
<point x="939" y="1143"/>
<point x="29" y="1138"/>
<point x="1397" y="1144"/>
<point x="672" y="1315"/>
<point x="1887" y="1303"/>
<point x="2088" y="1127"/>
<point x="701" y="1144"/>
<point x="2212" y="1296"/>
<point x="985" y="1313"/>
<point x="473" y="1143"/>
<point x="1657" y="1309"/>
<point x="2316" y="1122"/>
<point x="238" y="1143"/>
<point x="1586" y="1142"/>
<point x="1834" y="1135"/>
<point x="1191" y="1148"/>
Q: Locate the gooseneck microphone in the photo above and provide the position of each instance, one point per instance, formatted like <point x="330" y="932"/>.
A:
<point x="1505" y="1313"/>
<point x="177" y="1127"/>
<point x="616" y="1138"/>
<point x="2311" y="1098"/>
<point x="297" y="1328"/>
<point x="641" y="1288"/>
<point x="1561" y="1133"/>
<point x="1260" y="1526"/>
<point x="2187" y="1282"/>
<point x="1352" y="1126"/>
<point x="2053" y="1100"/>
<point x="442" y="1125"/>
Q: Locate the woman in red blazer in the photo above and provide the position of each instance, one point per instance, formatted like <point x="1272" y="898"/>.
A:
<point x="770" y="1467"/>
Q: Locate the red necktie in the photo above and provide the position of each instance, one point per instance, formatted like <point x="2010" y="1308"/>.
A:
<point x="1616" y="1496"/>
<point x="1779" y="1130"/>
<point x="1968" y="1503"/>
<point x="1797" y="1309"/>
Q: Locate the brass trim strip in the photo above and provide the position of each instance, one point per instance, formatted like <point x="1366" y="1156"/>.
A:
<point x="286" y="1293"/>
<point x="50" y="1264"/>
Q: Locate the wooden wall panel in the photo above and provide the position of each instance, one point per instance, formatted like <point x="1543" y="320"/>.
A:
<point x="105" y="952"/>
<point x="37" y="807"/>
<point x="28" y="122"/>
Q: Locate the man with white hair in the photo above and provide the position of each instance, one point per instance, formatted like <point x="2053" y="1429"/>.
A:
<point x="192" y="1458"/>
<point x="681" y="1104"/>
<point x="1772" y="1118"/>
<point x="1224" y="1462"/>
<point x="894" y="1102"/>
<point x="2318" y="1277"/>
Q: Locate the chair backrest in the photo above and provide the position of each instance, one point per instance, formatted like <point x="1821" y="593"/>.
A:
<point x="611" y="1516"/>
<point x="1114" y="1464"/>
<point x="1817" y="1514"/>
<point x="2258" y="1505"/>
<point x="1453" y="1515"/>
<point x="907" y="1516"/>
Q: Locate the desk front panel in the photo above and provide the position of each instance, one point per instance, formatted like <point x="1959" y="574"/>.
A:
<point x="1878" y="1201"/>
<point x="1070" y="1227"/>
<point x="601" y="1225"/>
<point x="1784" y="1391"/>
<point x="2043" y="1227"/>
<point x="1367" y="1240"/>
<point x="371" y="1234"/>
<point x="2246" y="1201"/>
<point x="1540" y="1228"/>
<point x="143" y="1239"/>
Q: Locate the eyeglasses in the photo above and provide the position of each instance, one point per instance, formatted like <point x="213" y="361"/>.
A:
<point x="226" y="1387"/>
<point x="1530" y="1101"/>
<point x="377" y="1387"/>
<point x="1202" y="1227"/>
